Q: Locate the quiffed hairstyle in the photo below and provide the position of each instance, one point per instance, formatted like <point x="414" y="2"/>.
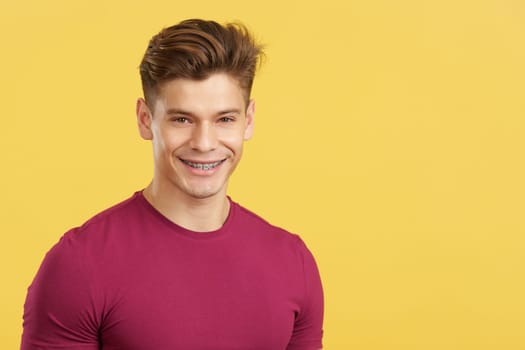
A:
<point x="195" y="49"/>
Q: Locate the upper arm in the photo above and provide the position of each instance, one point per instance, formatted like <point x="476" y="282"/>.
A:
<point x="59" y="308"/>
<point x="308" y="326"/>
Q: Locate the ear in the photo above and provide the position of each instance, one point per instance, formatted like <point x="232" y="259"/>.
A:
<point x="250" y="112"/>
<point x="144" y="119"/>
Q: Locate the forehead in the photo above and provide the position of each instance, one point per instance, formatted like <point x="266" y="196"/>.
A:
<point x="217" y="92"/>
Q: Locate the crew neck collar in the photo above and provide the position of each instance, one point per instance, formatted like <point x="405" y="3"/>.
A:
<point x="220" y="233"/>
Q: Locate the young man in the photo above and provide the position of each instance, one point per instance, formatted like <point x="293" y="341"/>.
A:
<point x="179" y="265"/>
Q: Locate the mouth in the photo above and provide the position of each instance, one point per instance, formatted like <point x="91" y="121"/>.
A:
<point x="202" y="165"/>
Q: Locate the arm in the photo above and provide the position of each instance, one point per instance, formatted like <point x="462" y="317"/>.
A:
<point x="59" y="311"/>
<point x="308" y="326"/>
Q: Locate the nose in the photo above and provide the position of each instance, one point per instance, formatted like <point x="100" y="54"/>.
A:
<point x="204" y="137"/>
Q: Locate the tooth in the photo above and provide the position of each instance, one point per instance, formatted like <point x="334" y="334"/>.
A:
<point x="204" y="166"/>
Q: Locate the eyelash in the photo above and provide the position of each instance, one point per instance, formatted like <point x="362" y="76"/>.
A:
<point x="182" y="120"/>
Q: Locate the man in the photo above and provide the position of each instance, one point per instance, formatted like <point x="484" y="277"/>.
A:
<point x="179" y="265"/>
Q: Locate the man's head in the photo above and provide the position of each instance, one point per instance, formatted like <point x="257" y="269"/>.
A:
<point x="197" y="111"/>
<point x="195" y="49"/>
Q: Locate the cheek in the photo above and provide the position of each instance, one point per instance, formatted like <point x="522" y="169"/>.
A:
<point x="169" y="141"/>
<point x="234" y="142"/>
<point x="233" y="136"/>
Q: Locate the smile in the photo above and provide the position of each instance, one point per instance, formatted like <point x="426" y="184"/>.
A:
<point x="203" y="166"/>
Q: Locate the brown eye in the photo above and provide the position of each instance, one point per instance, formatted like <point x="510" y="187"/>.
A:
<point x="181" y="120"/>
<point x="226" y="119"/>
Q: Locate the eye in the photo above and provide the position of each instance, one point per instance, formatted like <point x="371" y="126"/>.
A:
<point x="181" y="120"/>
<point x="226" y="119"/>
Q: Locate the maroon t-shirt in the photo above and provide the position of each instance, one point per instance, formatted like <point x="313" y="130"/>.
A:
<point x="131" y="279"/>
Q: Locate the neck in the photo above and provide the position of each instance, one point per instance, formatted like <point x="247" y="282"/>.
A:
<point x="195" y="214"/>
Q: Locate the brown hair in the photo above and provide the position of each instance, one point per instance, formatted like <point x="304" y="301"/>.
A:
<point x="194" y="49"/>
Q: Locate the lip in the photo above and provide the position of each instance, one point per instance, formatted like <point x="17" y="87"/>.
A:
<point x="196" y="161"/>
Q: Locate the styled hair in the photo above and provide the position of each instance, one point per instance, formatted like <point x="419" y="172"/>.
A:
<point x="195" y="49"/>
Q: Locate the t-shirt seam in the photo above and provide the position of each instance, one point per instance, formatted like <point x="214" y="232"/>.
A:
<point x="108" y="213"/>
<point x="305" y="284"/>
<point x="261" y="220"/>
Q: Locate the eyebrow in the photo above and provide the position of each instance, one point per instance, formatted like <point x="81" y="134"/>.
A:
<point x="185" y="112"/>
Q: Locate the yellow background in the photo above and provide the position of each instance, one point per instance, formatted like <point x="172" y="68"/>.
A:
<point x="390" y="135"/>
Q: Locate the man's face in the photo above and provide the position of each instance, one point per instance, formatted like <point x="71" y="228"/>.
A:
<point x="197" y="130"/>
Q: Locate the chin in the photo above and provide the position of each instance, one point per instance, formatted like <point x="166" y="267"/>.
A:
<point x="203" y="193"/>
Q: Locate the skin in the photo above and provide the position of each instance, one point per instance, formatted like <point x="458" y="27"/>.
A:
<point x="193" y="123"/>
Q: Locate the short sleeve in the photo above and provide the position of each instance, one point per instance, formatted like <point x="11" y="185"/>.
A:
<point x="59" y="312"/>
<point x="308" y="326"/>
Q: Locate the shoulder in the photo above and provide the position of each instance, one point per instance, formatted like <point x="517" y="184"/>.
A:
<point x="120" y="214"/>
<point x="262" y="229"/>
<point x="83" y="250"/>
<point x="101" y="232"/>
<point x="64" y="298"/>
